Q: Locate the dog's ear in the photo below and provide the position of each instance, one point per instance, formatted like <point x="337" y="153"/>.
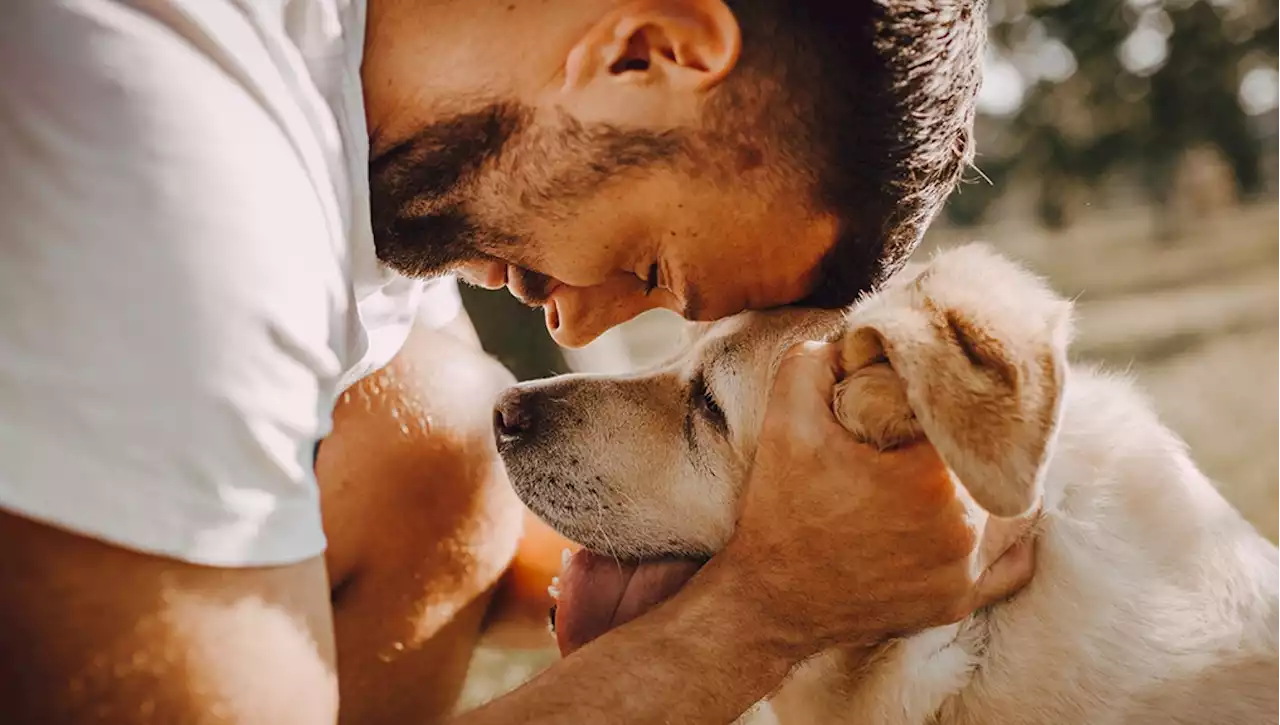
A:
<point x="972" y="354"/>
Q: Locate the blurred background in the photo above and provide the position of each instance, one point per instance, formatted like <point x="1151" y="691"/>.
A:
<point x="1128" y="151"/>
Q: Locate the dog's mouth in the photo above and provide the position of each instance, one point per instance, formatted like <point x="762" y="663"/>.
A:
<point x="598" y="592"/>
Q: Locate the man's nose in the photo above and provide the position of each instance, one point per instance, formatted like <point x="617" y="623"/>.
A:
<point x="576" y="316"/>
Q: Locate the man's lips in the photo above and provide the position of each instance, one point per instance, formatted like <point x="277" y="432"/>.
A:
<point x="490" y="275"/>
<point x="531" y="288"/>
<point x="598" y="593"/>
<point x="534" y="290"/>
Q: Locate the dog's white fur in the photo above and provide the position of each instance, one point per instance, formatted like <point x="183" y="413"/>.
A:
<point x="1153" y="600"/>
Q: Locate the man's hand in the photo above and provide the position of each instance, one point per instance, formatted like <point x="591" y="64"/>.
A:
<point x="843" y="543"/>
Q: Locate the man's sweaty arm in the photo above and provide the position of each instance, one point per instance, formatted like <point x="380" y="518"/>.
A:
<point x="705" y="656"/>
<point x="92" y="634"/>
<point x="96" y="634"/>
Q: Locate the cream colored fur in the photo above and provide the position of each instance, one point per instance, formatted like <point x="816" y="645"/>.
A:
<point x="1153" y="600"/>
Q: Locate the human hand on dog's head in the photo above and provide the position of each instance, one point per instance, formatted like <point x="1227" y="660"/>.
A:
<point x="860" y="500"/>
<point x="837" y="541"/>
<point x="846" y="544"/>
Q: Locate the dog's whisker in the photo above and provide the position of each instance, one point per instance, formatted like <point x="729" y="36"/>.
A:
<point x="628" y="504"/>
<point x="609" y="549"/>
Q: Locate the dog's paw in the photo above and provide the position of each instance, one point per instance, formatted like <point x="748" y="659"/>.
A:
<point x="871" y="399"/>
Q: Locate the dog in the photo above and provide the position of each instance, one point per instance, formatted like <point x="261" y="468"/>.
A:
<point x="1153" y="600"/>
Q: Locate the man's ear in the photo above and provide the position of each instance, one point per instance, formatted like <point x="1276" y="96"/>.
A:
<point x="671" y="47"/>
<point x="980" y="348"/>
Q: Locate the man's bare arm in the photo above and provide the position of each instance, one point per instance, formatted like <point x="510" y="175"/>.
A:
<point x="91" y="634"/>
<point x="705" y="656"/>
<point x="702" y="657"/>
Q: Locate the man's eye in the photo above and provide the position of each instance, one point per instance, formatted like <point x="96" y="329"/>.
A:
<point x="651" y="281"/>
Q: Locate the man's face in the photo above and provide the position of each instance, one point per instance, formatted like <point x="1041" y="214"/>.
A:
<point x="569" y="149"/>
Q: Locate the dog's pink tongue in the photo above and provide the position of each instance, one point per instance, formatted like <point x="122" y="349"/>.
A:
<point x="598" y="593"/>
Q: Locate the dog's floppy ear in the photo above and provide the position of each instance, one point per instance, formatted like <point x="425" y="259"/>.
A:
<point x="973" y="350"/>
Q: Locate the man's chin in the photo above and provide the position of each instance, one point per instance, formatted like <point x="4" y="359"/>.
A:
<point x="598" y="593"/>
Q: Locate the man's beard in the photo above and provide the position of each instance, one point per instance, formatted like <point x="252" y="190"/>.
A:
<point x="419" y="189"/>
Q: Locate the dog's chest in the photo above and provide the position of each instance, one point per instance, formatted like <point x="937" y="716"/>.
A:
<point x="909" y="682"/>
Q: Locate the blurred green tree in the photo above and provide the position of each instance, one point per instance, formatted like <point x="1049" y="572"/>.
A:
<point x="1081" y="91"/>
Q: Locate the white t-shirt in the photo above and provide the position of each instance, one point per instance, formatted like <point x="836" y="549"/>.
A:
<point x="187" y="272"/>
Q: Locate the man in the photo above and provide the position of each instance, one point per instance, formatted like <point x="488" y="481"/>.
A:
<point x="212" y="211"/>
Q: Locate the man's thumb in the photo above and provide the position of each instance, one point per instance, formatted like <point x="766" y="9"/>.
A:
<point x="806" y="378"/>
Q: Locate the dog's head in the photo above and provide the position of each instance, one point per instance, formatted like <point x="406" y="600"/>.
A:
<point x="969" y="351"/>
<point x="651" y="464"/>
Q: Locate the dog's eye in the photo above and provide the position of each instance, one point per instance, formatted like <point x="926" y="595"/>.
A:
<point x="705" y="402"/>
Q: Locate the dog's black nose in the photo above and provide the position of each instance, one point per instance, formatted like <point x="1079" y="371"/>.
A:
<point x="515" y="415"/>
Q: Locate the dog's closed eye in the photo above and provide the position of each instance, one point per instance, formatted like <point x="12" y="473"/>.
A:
<point x="703" y="401"/>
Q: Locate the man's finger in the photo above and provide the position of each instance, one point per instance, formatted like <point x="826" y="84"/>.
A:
<point x="806" y="377"/>
<point x="1007" y="574"/>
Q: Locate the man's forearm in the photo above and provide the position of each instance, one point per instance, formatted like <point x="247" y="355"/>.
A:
<point x="701" y="657"/>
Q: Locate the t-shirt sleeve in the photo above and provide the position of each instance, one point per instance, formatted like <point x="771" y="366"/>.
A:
<point x="168" y="294"/>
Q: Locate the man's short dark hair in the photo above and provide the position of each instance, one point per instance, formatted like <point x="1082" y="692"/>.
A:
<point x="875" y="99"/>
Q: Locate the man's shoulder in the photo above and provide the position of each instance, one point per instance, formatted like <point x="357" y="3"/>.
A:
<point x="260" y="101"/>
